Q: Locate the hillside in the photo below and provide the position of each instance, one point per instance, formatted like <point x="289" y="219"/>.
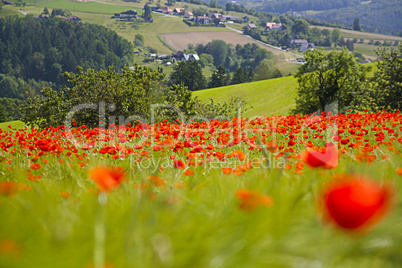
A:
<point x="267" y="97"/>
<point x="366" y="43"/>
<point x="382" y="16"/>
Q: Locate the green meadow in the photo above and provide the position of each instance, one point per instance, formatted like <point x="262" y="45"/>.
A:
<point x="267" y="97"/>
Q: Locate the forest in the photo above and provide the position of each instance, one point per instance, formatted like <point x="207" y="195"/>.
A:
<point x="43" y="48"/>
<point x="379" y="16"/>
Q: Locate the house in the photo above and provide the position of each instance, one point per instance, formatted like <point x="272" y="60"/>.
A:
<point x="180" y="56"/>
<point x="272" y="26"/>
<point x="177" y="55"/>
<point x="188" y="57"/>
<point x="252" y="26"/>
<point x="297" y="43"/>
<point x="246" y="19"/>
<point x="154" y="9"/>
<point x="178" y="11"/>
<point x="203" y="19"/>
<point x="215" y="16"/>
<point x="126" y="15"/>
<point x="229" y="17"/>
<point x="309" y="46"/>
<point x="188" y="15"/>
<point x="73" y="18"/>
<point x="165" y="10"/>
<point x="130" y="12"/>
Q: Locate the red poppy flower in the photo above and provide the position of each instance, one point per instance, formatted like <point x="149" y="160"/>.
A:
<point x="324" y="157"/>
<point x="157" y="181"/>
<point x="12" y="188"/>
<point x="355" y="203"/>
<point x="179" y="164"/>
<point x="107" y="178"/>
<point x="36" y="166"/>
<point x="189" y="172"/>
<point x="251" y="200"/>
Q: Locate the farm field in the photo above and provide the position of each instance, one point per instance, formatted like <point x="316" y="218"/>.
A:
<point x="89" y="7"/>
<point x="365" y="35"/>
<point x="181" y="40"/>
<point x="267" y="97"/>
<point x="267" y="192"/>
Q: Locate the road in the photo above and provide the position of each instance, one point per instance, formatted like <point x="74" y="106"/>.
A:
<point x="23" y="12"/>
<point x="265" y="44"/>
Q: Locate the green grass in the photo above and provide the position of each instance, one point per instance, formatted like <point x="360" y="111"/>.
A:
<point x="13" y="124"/>
<point x="366" y="49"/>
<point x="268" y="97"/>
<point x="6" y="11"/>
<point x="90" y="7"/>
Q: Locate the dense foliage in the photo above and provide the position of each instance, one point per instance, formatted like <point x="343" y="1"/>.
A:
<point x="42" y="48"/>
<point x="127" y="95"/>
<point x="330" y="79"/>
<point x="386" y="92"/>
<point x="283" y="6"/>
<point x="189" y="74"/>
<point x="232" y="57"/>
<point x="382" y="16"/>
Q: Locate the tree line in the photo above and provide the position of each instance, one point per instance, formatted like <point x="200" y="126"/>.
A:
<point x="234" y="65"/>
<point x="335" y="82"/>
<point x="34" y="52"/>
<point x="41" y="49"/>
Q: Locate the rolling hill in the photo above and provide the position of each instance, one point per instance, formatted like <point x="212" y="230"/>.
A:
<point x="267" y="97"/>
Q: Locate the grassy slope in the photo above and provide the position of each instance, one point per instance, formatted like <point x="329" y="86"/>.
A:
<point x="268" y="97"/>
<point x="13" y="124"/>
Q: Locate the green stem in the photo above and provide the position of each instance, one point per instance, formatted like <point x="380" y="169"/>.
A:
<point x="99" y="250"/>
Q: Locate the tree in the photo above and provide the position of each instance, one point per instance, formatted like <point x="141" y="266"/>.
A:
<point x="356" y="25"/>
<point x="147" y="11"/>
<point x="219" y="78"/>
<point x="45" y="11"/>
<point x="336" y="34"/>
<point x="189" y="74"/>
<point x="3" y="114"/>
<point x="240" y="76"/>
<point x="300" y="27"/>
<point x="131" y="91"/>
<point x="139" y="40"/>
<point x="331" y="77"/>
<point x="219" y="50"/>
<point x="387" y="81"/>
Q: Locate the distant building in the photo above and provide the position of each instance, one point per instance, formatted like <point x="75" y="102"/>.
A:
<point x="309" y="46"/>
<point x="188" y="15"/>
<point x="252" y="26"/>
<point x="178" y="11"/>
<point x="126" y="15"/>
<point x="296" y="43"/>
<point x="229" y="17"/>
<point x="203" y="19"/>
<point x="272" y="26"/>
<point x="165" y="10"/>
<point x="180" y="56"/>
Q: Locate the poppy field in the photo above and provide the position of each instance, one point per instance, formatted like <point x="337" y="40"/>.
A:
<point x="283" y="191"/>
